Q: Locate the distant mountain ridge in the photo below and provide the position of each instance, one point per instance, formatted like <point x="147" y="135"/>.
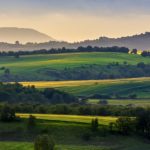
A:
<point x="24" y="35"/>
<point x="141" y="42"/>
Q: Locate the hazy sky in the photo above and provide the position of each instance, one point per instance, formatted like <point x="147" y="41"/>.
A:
<point x="75" y="20"/>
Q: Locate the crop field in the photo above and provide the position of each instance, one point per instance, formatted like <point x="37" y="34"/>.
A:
<point x="71" y="118"/>
<point x="139" y="86"/>
<point x="31" y="64"/>
<point x="136" y="103"/>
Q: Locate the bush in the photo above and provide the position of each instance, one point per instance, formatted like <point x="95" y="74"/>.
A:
<point x="44" y="142"/>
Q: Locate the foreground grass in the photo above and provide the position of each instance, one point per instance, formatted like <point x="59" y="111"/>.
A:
<point x="138" y="86"/>
<point x="122" y="143"/>
<point x="67" y="132"/>
<point x="29" y="146"/>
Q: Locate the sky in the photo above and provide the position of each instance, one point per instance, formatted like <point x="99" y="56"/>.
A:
<point x="76" y="20"/>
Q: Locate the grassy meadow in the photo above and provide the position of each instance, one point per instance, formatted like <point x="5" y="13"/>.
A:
<point x="29" y="146"/>
<point x="32" y="65"/>
<point x="137" y="103"/>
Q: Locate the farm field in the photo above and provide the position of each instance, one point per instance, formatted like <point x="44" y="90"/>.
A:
<point x="71" y="118"/>
<point x="136" y="103"/>
<point x="139" y="86"/>
<point x="34" y="65"/>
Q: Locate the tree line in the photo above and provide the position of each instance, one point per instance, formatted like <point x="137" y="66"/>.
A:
<point x="65" y="50"/>
<point x="146" y="54"/>
<point x="76" y="109"/>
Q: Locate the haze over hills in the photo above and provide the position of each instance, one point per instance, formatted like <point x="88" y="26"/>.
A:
<point x="43" y="41"/>
<point x="23" y="35"/>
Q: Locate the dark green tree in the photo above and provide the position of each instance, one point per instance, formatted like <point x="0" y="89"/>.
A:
<point x="94" y="125"/>
<point x="31" y="122"/>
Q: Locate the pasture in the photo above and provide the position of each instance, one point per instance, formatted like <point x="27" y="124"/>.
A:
<point x="125" y="102"/>
<point x="32" y="65"/>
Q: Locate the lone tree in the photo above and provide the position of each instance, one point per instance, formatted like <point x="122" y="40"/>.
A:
<point x="94" y="125"/>
<point x="44" y="142"/>
<point x="134" y="51"/>
<point x="6" y="72"/>
<point x="31" y="122"/>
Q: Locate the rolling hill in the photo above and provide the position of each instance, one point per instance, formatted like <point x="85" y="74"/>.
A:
<point x="23" y="35"/>
<point x="69" y="66"/>
<point x="140" y="41"/>
<point x="121" y="87"/>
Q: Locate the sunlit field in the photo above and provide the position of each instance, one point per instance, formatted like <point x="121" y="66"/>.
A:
<point x="71" y="118"/>
<point x="31" y="64"/>
<point x="139" y="86"/>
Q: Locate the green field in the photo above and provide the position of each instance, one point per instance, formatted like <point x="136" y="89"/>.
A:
<point x="130" y="145"/>
<point x="29" y="146"/>
<point x="124" y="87"/>
<point x="136" y="103"/>
<point x="33" y="65"/>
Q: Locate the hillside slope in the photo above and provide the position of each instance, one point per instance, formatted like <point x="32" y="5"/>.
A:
<point x="140" y="42"/>
<point x="72" y="66"/>
<point x="23" y="35"/>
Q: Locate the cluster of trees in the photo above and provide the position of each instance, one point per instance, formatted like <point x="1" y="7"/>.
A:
<point x="146" y="54"/>
<point x="129" y="125"/>
<point x="138" y="125"/>
<point x="110" y="71"/>
<point x="78" y="109"/>
<point x="16" y="93"/>
<point x="7" y="114"/>
<point x="65" y="50"/>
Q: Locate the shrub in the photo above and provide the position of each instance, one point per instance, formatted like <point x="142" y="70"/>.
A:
<point x="44" y="142"/>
